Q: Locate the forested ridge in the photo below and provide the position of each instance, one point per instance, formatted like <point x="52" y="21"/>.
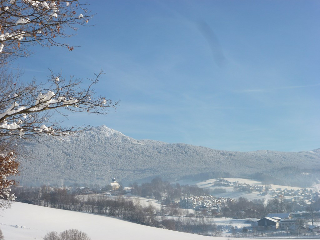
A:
<point x="96" y="155"/>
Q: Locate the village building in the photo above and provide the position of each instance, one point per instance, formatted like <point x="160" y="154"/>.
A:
<point x="268" y="223"/>
<point x="288" y="224"/>
<point x="115" y="185"/>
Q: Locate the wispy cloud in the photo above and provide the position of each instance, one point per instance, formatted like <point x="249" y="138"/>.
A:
<point x="300" y="86"/>
<point x="260" y="90"/>
<point x="252" y="90"/>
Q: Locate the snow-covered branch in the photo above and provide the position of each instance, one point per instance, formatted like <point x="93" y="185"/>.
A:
<point x="38" y="21"/>
<point x="24" y="109"/>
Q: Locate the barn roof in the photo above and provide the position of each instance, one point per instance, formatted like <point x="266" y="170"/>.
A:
<point x="272" y="219"/>
<point x="279" y="215"/>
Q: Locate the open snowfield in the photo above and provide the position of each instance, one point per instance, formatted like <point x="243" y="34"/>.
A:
<point x="231" y="193"/>
<point x="144" y="202"/>
<point x="23" y="221"/>
<point x="208" y="183"/>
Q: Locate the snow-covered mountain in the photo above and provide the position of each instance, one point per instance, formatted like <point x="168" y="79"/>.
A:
<point x="95" y="156"/>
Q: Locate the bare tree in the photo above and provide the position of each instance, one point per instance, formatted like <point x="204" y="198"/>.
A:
<point x="71" y="234"/>
<point x="24" y="108"/>
<point x="27" y="109"/>
<point x="51" y="236"/>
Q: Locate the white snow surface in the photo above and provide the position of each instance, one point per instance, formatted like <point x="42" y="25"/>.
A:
<point x="23" y="221"/>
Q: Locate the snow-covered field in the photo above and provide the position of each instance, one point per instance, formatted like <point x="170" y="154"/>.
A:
<point x="144" y="202"/>
<point x="208" y="183"/>
<point x="23" y="221"/>
<point x="231" y="193"/>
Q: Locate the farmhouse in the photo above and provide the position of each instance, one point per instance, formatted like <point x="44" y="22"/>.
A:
<point x="288" y="224"/>
<point x="268" y="223"/>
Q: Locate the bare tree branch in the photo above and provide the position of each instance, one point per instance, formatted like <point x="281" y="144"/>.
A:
<point x="24" y="108"/>
<point x="25" y="22"/>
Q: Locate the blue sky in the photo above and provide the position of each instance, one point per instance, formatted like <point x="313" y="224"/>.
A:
<point x="229" y="75"/>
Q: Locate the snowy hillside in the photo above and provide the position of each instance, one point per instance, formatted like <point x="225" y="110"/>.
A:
<point x="25" y="222"/>
<point x="96" y="155"/>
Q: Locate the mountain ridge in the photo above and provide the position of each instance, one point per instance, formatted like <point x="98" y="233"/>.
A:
<point x="96" y="155"/>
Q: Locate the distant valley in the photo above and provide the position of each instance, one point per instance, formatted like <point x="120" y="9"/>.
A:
<point x="95" y="156"/>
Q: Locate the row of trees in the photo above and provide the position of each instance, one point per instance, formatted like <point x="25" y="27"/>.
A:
<point x="232" y="208"/>
<point x="27" y="107"/>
